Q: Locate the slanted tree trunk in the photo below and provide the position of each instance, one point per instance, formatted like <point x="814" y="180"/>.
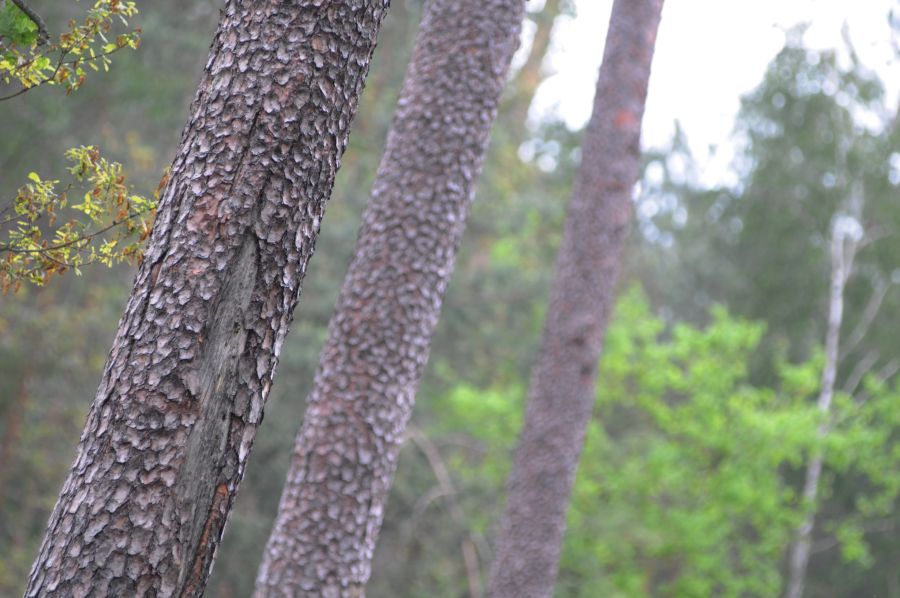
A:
<point x="182" y="394"/>
<point x="346" y="451"/>
<point x="563" y="381"/>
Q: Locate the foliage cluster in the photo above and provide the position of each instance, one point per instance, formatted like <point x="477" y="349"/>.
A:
<point x="107" y="226"/>
<point x="43" y="232"/>
<point x="685" y="485"/>
<point x="29" y="58"/>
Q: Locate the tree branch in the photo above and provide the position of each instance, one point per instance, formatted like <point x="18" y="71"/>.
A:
<point x="5" y="247"/>
<point x="470" y="554"/>
<point x="868" y="316"/>
<point x="863" y="367"/>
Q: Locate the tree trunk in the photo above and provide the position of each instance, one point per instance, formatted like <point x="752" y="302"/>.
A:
<point x="13" y="417"/>
<point x="531" y="74"/>
<point x="346" y="451"/>
<point x="182" y="394"/>
<point x="842" y="255"/>
<point x="563" y="381"/>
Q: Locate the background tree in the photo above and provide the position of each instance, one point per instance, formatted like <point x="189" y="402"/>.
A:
<point x="562" y="385"/>
<point x="379" y="335"/>
<point x="816" y="133"/>
<point x="182" y="393"/>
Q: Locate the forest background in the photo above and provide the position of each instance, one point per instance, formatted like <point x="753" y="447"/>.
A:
<point x="706" y="412"/>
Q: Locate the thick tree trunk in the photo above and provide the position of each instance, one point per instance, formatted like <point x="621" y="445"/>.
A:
<point x="563" y="381"/>
<point x="346" y="450"/>
<point x="182" y="394"/>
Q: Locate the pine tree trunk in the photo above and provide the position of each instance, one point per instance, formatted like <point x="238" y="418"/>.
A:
<point x="564" y="377"/>
<point x="346" y="451"/>
<point x="182" y="394"/>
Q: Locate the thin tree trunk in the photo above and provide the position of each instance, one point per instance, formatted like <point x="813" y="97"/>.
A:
<point x="346" y="451"/>
<point x="529" y="77"/>
<point x="14" y="417"/>
<point x="563" y="381"/>
<point x="840" y="270"/>
<point x="182" y="394"/>
<point x="447" y="490"/>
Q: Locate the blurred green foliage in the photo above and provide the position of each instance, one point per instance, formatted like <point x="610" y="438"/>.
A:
<point x="680" y="490"/>
<point x="16" y="26"/>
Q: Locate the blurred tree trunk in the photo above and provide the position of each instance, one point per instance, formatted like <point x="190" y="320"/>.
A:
<point x="13" y="417"/>
<point x="582" y="296"/>
<point x="528" y="78"/>
<point x="182" y="394"/>
<point x="843" y="248"/>
<point x="800" y="549"/>
<point x="346" y="451"/>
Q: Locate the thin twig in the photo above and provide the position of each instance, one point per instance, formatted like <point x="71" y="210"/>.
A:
<point x="863" y="367"/>
<point x="869" y="314"/>
<point x="873" y="527"/>
<point x="470" y="555"/>
<point x="59" y="65"/>
<point x="115" y="223"/>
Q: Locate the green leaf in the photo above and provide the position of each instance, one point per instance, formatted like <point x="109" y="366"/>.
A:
<point x="16" y="26"/>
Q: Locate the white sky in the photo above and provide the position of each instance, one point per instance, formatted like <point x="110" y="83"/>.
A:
<point x="708" y="53"/>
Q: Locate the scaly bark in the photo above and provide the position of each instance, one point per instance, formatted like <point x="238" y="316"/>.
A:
<point x="346" y="451"/>
<point x="182" y="394"/>
<point x="564" y="376"/>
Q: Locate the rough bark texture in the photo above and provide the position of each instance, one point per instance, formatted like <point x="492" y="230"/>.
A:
<point x="182" y="394"/>
<point x="377" y="347"/>
<point x="564" y="376"/>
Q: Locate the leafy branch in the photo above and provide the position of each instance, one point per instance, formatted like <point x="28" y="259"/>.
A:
<point x="108" y="226"/>
<point x="28" y="57"/>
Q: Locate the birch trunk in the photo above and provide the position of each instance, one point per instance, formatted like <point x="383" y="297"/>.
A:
<point x="346" y="451"/>
<point x="840" y="271"/>
<point x="563" y="381"/>
<point x="182" y="394"/>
